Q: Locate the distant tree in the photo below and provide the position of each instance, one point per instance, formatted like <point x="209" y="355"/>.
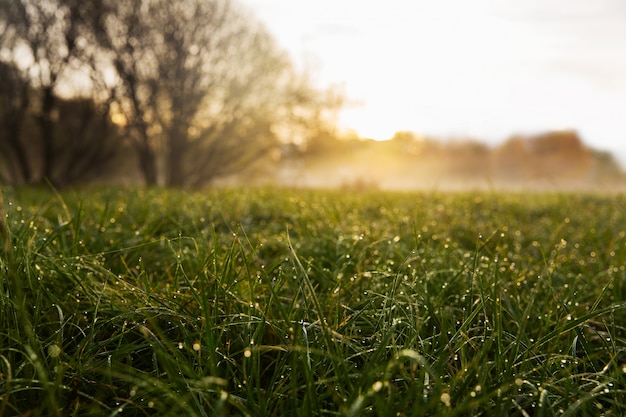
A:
<point x="467" y="159"/>
<point x="559" y="154"/>
<point x="511" y="159"/>
<point x="45" y="47"/>
<point x="309" y="118"/>
<point x="556" y="155"/>
<point x="405" y="137"/>
<point x="605" y="167"/>
<point x="412" y="144"/>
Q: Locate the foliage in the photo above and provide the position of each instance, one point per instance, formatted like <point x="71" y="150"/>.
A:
<point x="289" y="302"/>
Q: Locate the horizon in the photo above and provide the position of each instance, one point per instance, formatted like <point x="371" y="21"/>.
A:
<point x="486" y="70"/>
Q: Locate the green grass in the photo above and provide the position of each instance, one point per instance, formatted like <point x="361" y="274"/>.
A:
<point x="263" y="302"/>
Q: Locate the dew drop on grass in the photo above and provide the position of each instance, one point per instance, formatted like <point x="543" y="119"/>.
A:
<point x="377" y="386"/>
<point x="445" y="398"/>
<point x="54" y="351"/>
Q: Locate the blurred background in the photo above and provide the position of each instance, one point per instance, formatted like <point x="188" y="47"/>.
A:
<point x="198" y="93"/>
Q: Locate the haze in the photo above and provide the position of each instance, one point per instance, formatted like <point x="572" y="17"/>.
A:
<point x="484" y="69"/>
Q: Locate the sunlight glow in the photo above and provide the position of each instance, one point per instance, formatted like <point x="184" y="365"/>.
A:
<point x="485" y="69"/>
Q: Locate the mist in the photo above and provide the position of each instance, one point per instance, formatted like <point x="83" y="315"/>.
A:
<point x="557" y="160"/>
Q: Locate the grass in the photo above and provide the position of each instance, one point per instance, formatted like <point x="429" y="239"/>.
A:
<point x="260" y="302"/>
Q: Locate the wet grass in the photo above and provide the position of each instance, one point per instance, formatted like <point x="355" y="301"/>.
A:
<point x="268" y="302"/>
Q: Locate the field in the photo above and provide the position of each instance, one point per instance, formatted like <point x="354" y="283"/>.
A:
<point x="259" y="302"/>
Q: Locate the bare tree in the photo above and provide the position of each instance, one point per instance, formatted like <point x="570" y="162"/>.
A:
<point x="309" y="116"/>
<point x="15" y="94"/>
<point x="91" y="140"/>
<point x="48" y="32"/>
<point x="204" y="86"/>
<point x="47" y="48"/>
<point x="124" y="33"/>
<point x="232" y="126"/>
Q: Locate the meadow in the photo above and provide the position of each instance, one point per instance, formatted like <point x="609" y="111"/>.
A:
<point x="269" y="302"/>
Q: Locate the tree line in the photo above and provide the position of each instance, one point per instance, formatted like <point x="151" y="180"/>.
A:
<point x="194" y="90"/>
<point x="550" y="159"/>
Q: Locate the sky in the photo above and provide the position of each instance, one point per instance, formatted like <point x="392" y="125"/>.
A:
<point x="484" y="69"/>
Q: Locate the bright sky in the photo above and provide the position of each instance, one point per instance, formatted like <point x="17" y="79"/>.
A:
<point x="458" y="68"/>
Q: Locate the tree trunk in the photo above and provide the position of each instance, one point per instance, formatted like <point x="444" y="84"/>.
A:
<point x="22" y="167"/>
<point x="15" y="153"/>
<point x="177" y="144"/>
<point x="5" y="238"/>
<point x="148" y="168"/>
<point x="46" y="125"/>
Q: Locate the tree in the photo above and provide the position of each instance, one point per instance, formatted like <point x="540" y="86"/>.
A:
<point x="605" y="167"/>
<point x="47" y="32"/>
<point x="409" y="143"/>
<point x="90" y="140"/>
<point x="124" y="35"/>
<point x="161" y="53"/>
<point x="512" y="159"/>
<point x="560" y="154"/>
<point x="200" y="89"/>
<point x="309" y="118"/>
<point x="467" y="159"/>
<point x="204" y="89"/>
<point x="221" y="75"/>
<point x="15" y="95"/>
<point x="45" y="47"/>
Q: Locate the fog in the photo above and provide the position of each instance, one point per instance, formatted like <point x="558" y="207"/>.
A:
<point x="554" y="160"/>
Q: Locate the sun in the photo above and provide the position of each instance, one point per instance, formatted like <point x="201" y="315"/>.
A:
<point x="366" y="126"/>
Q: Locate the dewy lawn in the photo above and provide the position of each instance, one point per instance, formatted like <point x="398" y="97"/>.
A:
<point x="260" y="302"/>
